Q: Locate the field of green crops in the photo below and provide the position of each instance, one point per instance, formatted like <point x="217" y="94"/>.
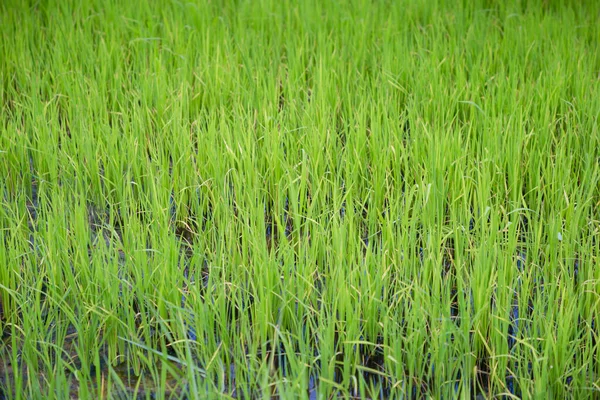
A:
<point x="310" y="199"/>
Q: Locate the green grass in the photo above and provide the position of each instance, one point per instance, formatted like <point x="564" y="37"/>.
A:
<point x="355" y="199"/>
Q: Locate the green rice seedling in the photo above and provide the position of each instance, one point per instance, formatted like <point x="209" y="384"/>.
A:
<point x="311" y="199"/>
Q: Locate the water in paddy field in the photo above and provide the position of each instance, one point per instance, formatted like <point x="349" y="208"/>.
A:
<point x="143" y="385"/>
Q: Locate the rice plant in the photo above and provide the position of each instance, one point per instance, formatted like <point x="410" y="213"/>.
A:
<point x="311" y="199"/>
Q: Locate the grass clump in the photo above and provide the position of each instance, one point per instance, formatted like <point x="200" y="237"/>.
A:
<point x="254" y="199"/>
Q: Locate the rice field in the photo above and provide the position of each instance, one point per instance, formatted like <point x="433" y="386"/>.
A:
<point x="315" y="199"/>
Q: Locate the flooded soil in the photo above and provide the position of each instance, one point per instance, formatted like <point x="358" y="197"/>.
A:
<point x="129" y="383"/>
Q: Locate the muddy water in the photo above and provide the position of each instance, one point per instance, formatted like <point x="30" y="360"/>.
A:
<point x="144" y="386"/>
<point x="129" y="383"/>
<point x="126" y="383"/>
